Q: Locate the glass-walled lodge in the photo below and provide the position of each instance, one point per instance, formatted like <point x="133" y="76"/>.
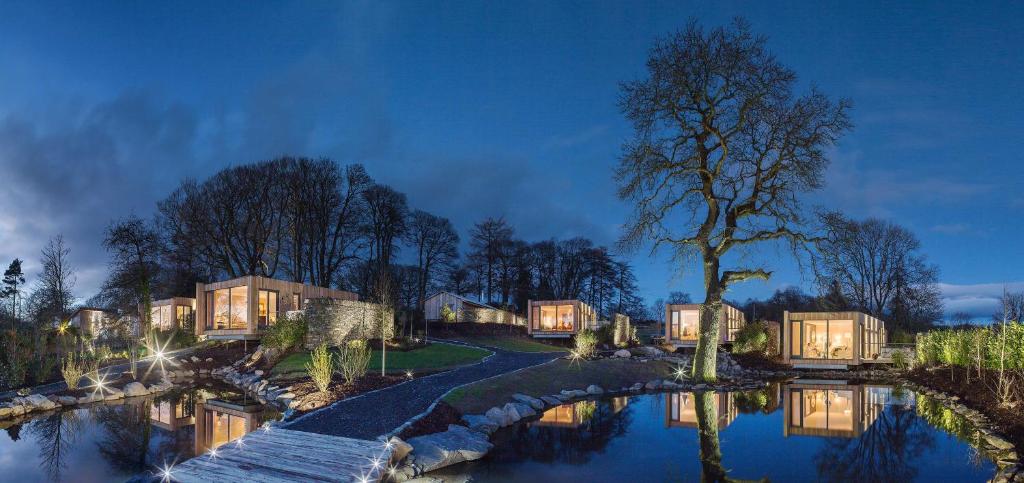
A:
<point x="244" y="307"/>
<point x="832" y="410"/>
<point x="559" y="318"/>
<point x="176" y="312"/>
<point x="682" y="323"/>
<point x="831" y="338"/>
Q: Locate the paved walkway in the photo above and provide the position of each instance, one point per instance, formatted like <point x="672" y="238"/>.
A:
<point x="373" y="414"/>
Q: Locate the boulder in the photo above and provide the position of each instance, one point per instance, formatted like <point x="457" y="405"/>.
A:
<point x="571" y="393"/>
<point x="67" y="400"/>
<point x="40" y="402"/>
<point x="517" y="411"/>
<point x="399" y="449"/>
<point x="650" y="351"/>
<point x="622" y="353"/>
<point x="594" y="389"/>
<point x="480" y="423"/>
<point x="433" y="451"/>
<point x="653" y="385"/>
<point x="499" y="417"/>
<point x="532" y="401"/>
<point x="998" y="442"/>
<point x="133" y="389"/>
<point x="637" y="387"/>
<point x="114" y="394"/>
<point x="551" y="400"/>
<point x="5" y="411"/>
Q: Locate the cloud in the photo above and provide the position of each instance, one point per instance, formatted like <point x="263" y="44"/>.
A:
<point x="866" y="191"/>
<point x="951" y="228"/>
<point x="978" y="300"/>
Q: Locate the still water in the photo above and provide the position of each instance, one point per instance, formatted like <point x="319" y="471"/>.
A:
<point x="811" y="431"/>
<point x="130" y="439"/>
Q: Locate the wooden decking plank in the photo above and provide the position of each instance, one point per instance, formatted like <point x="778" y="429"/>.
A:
<point x="282" y="455"/>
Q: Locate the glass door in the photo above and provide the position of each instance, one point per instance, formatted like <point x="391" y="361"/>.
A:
<point x="795" y="340"/>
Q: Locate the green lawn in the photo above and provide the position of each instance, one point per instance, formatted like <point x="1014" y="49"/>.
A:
<point x="553" y="377"/>
<point x="430" y="358"/>
<point x="519" y="344"/>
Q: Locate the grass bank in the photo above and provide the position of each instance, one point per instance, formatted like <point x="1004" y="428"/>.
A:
<point x="434" y="357"/>
<point x="553" y="377"/>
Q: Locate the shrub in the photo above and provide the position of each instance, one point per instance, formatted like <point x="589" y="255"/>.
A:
<point x="320" y="367"/>
<point x="605" y="334"/>
<point x="586" y="343"/>
<point x="900" y="360"/>
<point x="353" y="360"/>
<point x="447" y="314"/>
<point x="73" y="369"/>
<point x="752" y="337"/>
<point x="103" y="353"/>
<point x="286" y="333"/>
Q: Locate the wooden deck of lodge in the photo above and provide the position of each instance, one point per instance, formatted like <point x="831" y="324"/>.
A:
<point x="279" y="455"/>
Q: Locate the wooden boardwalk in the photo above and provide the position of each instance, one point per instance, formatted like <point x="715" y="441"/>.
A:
<point x="279" y="455"/>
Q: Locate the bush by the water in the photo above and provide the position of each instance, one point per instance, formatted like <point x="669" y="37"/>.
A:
<point x="286" y="333"/>
<point x="999" y="346"/>
<point x="752" y="337"/>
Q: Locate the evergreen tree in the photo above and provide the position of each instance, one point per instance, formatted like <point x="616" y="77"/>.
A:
<point x="14" y="278"/>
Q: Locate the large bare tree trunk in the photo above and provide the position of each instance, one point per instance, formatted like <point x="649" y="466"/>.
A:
<point x="705" y="360"/>
<point x="707" y="431"/>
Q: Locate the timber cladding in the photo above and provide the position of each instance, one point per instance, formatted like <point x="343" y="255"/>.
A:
<point x="583" y="316"/>
<point x="335" y="322"/>
<point x="289" y="296"/>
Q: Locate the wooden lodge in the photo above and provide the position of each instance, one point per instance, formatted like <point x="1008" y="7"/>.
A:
<point x="559" y="318"/>
<point x="682" y="324"/>
<point x="464" y="309"/>
<point x="242" y="308"/>
<point x="831" y="340"/>
<point x="172" y="313"/>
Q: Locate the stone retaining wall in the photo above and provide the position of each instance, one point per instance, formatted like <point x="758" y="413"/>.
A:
<point x="336" y="321"/>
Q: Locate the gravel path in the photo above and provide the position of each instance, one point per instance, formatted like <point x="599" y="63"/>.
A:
<point x="373" y="414"/>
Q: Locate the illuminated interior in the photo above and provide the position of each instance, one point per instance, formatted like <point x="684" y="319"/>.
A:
<point x="161" y="317"/>
<point x="267" y="311"/>
<point x="557" y="318"/>
<point x="822" y="339"/>
<point x="685" y="324"/>
<point x="822" y="409"/>
<point x="682" y="408"/>
<point x="227" y="308"/>
<point x="183" y="313"/>
<point x="223" y="428"/>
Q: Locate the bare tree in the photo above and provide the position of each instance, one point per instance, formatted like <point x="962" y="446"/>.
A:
<point x="722" y="149"/>
<point x="385" y="223"/>
<point x="56" y="282"/>
<point x="486" y="240"/>
<point x="436" y="244"/>
<point x="877" y="267"/>
<point x="134" y="248"/>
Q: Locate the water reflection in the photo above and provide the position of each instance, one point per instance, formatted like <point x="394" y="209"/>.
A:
<point x="785" y="432"/>
<point x="116" y="441"/>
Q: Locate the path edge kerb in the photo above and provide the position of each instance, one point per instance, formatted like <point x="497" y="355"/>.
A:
<point x="286" y="424"/>
<point x="412" y="420"/>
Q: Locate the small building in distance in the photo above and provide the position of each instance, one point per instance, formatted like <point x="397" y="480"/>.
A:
<point x="464" y="309"/>
<point x="173" y="313"/>
<point x="682" y="324"/>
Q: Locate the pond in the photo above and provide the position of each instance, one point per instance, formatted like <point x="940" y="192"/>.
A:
<point x="813" y="431"/>
<point x="130" y="439"/>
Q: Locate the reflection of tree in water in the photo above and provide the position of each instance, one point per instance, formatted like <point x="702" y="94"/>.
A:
<point x="707" y="431"/>
<point x="565" y="445"/>
<point x="14" y="432"/>
<point x="126" y="435"/>
<point x="882" y="453"/>
<point x="55" y="433"/>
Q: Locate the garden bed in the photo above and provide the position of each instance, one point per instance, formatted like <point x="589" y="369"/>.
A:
<point x="976" y="395"/>
<point x="212" y="356"/>
<point x="751" y="360"/>
<point x="310" y="398"/>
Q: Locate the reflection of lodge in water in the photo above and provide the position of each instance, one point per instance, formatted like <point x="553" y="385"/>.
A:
<point x="575" y="414"/>
<point x="681" y="409"/>
<point x="832" y="410"/>
<point x="217" y="420"/>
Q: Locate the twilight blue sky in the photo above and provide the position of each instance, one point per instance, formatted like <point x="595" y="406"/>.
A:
<point x="497" y="108"/>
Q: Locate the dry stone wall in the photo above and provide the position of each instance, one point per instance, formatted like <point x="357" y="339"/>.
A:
<point x="337" y="321"/>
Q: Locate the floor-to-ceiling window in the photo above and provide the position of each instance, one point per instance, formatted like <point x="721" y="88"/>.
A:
<point x="183" y="315"/>
<point x="267" y="310"/>
<point x="566" y="319"/>
<point x="822" y="339"/>
<point x="685" y="324"/>
<point x="822" y="409"/>
<point x="227" y="308"/>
